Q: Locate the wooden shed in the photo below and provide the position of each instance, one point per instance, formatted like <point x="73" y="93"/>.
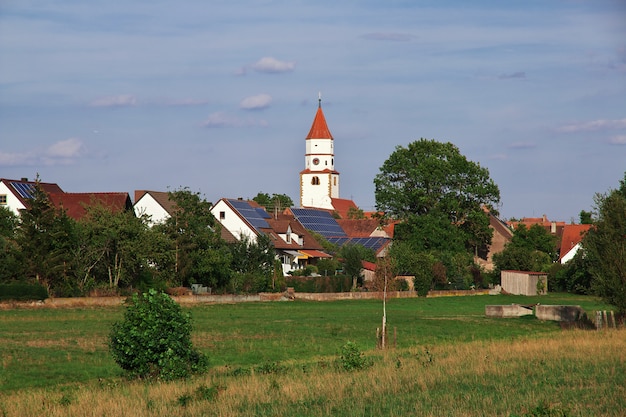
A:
<point x="524" y="282"/>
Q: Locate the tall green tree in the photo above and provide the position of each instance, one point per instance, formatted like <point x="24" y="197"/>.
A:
<point x="200" y="254"/>
<point x="431" y="186"/>
<point x="277" y="202"/>
<point x="253" y="264"/>
<point x="604" y="246"/>
<point x="531" y="249"/>
<point x="114" y="249"/>
<point x="45" y="237"/>
<point x="352" y="266"/>
<point x="10" y="254"/>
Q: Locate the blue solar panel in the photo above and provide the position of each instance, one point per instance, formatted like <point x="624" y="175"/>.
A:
<point x="255" y="216"/>
<point x="374" y="243"/>
<point x="263" y="213"/>
<point x="25" y="190"/>
<point x="319" y="221"/>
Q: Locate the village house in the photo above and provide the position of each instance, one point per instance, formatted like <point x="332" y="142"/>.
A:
<point x="17" y="194"/>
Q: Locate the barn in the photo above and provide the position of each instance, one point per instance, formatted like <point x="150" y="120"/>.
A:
<point x="524" y="282"/>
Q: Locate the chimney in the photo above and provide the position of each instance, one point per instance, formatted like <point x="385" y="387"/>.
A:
<point x="24" y="179"/>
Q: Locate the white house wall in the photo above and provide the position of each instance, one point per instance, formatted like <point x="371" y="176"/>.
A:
<point x="149" y="206"/>
<point x="232" y="222"/>
<point x="570" y="255"/>
<point x="13" y="203"/>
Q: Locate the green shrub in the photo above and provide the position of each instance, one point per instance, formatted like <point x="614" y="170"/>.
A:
<point x="320" y="284"/>
<point x="22" y="291"/>
<point x="352" y="358"/>
<point x="154" y="339"/>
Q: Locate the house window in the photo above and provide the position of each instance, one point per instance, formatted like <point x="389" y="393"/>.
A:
<point x="3" y="199"/>
<point x="288" y="238"/>
<point x="315" y="181"/>
<point x="222" y="215"/>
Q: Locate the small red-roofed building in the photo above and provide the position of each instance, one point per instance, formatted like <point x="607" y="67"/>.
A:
<point x="15" y="195"/>
<point x="571" y="240"/>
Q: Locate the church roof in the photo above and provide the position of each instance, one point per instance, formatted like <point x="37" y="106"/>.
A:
<point x="319" y="129"/>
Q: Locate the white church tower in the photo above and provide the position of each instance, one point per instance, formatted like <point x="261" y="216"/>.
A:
<point x="319" y="182"/>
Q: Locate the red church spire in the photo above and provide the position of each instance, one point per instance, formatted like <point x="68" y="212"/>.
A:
<point x="319" y="129"/>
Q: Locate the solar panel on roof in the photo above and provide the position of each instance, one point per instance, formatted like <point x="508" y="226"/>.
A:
<point x="373" y="243"/>
<point x="262" y="213"/>
<point x="319" y="221"/>
<point x="23" y="189"/>
<point x="253" y="215"/>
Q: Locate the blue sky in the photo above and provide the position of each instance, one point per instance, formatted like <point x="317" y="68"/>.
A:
<point x="218" y="96"/>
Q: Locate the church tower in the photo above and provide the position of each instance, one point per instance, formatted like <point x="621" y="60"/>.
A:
<point x="319" y="182"/>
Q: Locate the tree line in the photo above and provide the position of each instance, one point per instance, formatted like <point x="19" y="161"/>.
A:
<point x="107" y="251"/>
<point x="438" y="200"/>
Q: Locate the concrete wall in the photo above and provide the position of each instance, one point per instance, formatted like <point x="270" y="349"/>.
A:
<point x="502" y="311"/>
<point x="232" y="298"/>
<point x="523" y="283"/>
<point x="559" y="313"/>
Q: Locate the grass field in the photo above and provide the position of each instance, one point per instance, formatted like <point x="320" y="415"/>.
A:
<point x="281" y="359"/>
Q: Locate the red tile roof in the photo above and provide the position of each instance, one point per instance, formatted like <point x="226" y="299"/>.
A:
<point x="360" y="227"/>
<point x="572" y="235"/>
<point x="315" y="253"/>
<point x="75" y="204"/>
<point x="342" y="206"/>
<point x="319" y="129"/>
<point x="47" y="187"/>
<point x="370" y="266"/>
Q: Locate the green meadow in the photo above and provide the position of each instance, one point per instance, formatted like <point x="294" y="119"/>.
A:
<point x="282" y="358"/>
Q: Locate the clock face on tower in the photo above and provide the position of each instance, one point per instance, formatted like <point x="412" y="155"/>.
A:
<point x="316" y="161"/>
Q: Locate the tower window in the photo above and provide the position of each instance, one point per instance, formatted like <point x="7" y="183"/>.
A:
<point x="315" y="181"/>
<point x="335" y="180"/>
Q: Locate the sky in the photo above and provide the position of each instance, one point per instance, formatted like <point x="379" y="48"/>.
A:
<point x="218" y="96"/>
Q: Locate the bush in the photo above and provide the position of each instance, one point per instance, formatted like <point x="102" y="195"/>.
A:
<point x="22" y="291"/>
<point x="154" y="339"/>
<point x="352" y="358"/>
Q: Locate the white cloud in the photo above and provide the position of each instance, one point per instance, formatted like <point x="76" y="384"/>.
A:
<point x="63" y="152"/>
<point x="618" y="140"/>
<point x="258" y="102"/>
<point x="222" y="119"/>
<point x="388" y="36"/>
<point x="185" y="102"/>
<point x="123" y="100"/>
<point x="593" y="126"/>
<point x="15" y="159"/>
<point x="272" y="65"/>
<point x="513" y="75"/>
<point x="522" y="145"/>
<point x="68" y="148"/>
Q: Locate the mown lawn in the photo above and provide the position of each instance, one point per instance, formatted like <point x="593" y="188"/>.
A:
<point x="60" y="347"/>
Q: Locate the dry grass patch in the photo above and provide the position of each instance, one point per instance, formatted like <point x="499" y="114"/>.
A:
<point x="578" y="372"/>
